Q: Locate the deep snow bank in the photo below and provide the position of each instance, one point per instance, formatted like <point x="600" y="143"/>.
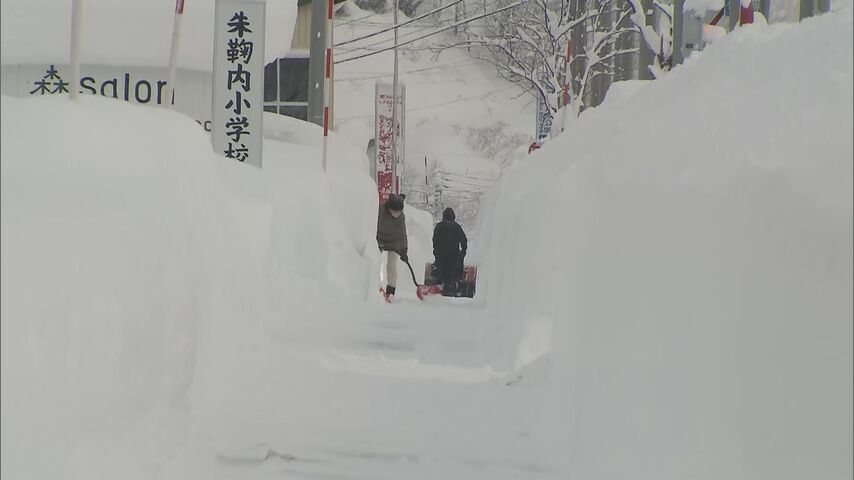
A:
<point x="127" y="246"/>
<point x="693" y="246"/>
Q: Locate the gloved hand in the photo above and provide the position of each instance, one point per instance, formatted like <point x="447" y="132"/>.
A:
<point x="404" y="257"/>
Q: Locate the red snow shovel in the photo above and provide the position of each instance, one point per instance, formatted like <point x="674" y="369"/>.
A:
<point x="423" y="291"/>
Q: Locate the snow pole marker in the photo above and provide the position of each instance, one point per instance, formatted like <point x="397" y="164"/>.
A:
<point x="745" y="16"/>
<point x="327" y="81"/>
<point x="566" y="83"/>
<point x="566" y="61"/>
<point x="76" y="32"/>
<point x="173" y="53"/>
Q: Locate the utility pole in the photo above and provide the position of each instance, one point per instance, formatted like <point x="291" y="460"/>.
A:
<point x="734" y="13"/>
<point x="765" y="9"/>
<point x="395" y="187"/>
<point x="806" y="9"/>
<point x="327" y="81"/>
<point x="173" y="53"/>
<point x="76" y="27"/>
<point x="426" y="184"/>
<point x="678" y="19"/>
<point x="317" y="62"/>
<point x="645" y="54"/>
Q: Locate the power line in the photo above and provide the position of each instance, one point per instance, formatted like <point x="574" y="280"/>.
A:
<point x="409" y="34"/>
<point x="426" y="82"/>
<point x="468" y="179"/>
<point x="447" y="154"/>
<point x="405" y="49"/>
<point x="456" y="24"/>
<point x="398" y="25"/>
<point x="357" y="19"/>
<point x="473" y="97"/>
<point x="466" y="185"/>
<point x="383" y="74"/>
<point x="431" y="24"/>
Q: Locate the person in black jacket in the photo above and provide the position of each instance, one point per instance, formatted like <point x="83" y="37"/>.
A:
<point x="449" y="250"/>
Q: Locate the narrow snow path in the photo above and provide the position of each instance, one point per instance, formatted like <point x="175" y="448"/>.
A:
<point x="399" y="390"/>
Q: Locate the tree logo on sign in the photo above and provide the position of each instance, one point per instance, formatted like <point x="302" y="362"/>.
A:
<point x="51" y="83"/>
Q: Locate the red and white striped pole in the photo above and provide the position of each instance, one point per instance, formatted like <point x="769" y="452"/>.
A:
<point x="567" y="79"/>
<point x="173" y="53"/>
<point x="327" y="82"/>
<point x="746" y="14"/>
<point x="566" y="73"/>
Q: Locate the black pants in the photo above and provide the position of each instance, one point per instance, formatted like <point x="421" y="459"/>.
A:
<point x="449" y="274"/>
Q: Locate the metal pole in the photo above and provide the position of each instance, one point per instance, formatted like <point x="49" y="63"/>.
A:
<point x="566" y="76"/>
<point x="576" y="41"/>
<point x="426" y="184"/>
<point x="456" y="19"/>
<point x="734" y="13"/>
<point x="76" y="27"/>
<point x="317" y="62"/>
<point x="645" y="54"/>
<point x="173" y="52"/>
<point x="746" y="14"/>
<point x="602" y="83"/>
<point x="807" y="9"/>
<point x="327" y="80"/>
<point x="395" y="187"/>
<point x="567" y="83"/>
<point x="765" y="9"/>
<point x="678" y="18"/>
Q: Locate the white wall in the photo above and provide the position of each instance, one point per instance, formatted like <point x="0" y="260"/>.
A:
<point x="140" y="85"/>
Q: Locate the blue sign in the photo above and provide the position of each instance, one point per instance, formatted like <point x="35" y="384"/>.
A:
<point x="544" y="118"/>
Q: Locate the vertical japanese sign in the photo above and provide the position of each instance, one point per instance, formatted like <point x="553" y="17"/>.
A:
<point x="238" y="80"/>
<point x="382" y="131"/>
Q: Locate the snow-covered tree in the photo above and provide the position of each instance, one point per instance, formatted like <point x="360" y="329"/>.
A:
<point x="528" y="45"/>
<point x="496" y="141"/>
<point x="408" y="7"/>
<point x="419" y="184"/>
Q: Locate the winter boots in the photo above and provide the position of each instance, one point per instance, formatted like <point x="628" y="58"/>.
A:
<point x="387" y="293"/>
<point x="450" y="288"/>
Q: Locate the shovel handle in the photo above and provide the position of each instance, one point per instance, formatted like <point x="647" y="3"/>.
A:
<point x="411" y="272"/>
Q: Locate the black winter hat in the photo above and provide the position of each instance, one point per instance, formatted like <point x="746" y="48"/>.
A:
<point x="448" y="214"/>
<point x="395" y="202"/>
